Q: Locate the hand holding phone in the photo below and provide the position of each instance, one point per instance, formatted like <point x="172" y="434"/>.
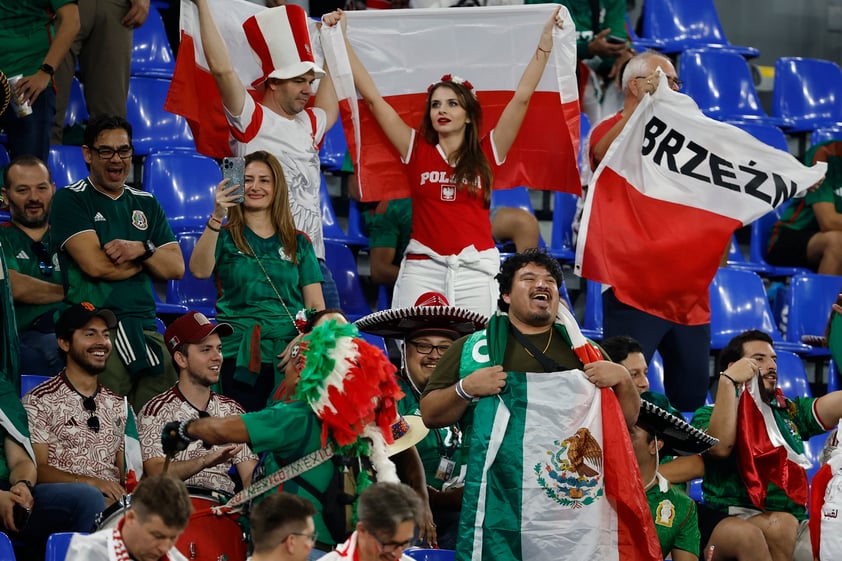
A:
<point x="234" y="169"/>
<point x="614" y="40"/>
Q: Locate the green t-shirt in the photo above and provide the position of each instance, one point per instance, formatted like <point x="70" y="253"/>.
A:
<point x="289" y="431"/>
<point x="799" y="214"/>
<point x="438" y="444"/>
<point x="390" y="225"/>
<point x="135" y="216"/>
<point x="676" y="519"/>
<point x="245" y="298"/>
<point x="722" y="485"/>
<point x="26" y="33"/>
<point x="21" y="257"/>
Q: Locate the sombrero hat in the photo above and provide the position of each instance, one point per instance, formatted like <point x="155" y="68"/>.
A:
<point x="407" y="431"/>
<point x="680" y="437"/>
<point x="5" y="92"/>
<point x="431" y="312"/>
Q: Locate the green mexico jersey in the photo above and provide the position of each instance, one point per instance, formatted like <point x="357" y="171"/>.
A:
<point x="22" y="255"/>
<point x="390" y="225"/>
<point x="723" y="486"/>
<point x="439" y="444"/>
<point x="245" y="297"/>
<point x="135" y="216"/>
<point x="289" y="431"/>
<point x="676" y="519"/>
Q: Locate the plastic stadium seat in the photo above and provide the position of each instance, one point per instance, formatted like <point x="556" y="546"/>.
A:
<point x="656" y="374"/>
<point x="518" y="197"/>
<point x="330" y="224"/>
<point x="809" y="301"/>
<point x="737" y="303"/>
<point x="57" y="545"/>
<point x="679" y="25"/>
<point x="194" y="294"/>
<point x="760" y="231"/>
<point x="340" y="260"/>
<point x="792" y="376"/>
<point x="153" y="128"/>
<point x="67" y="165"/>
<point x="355" y="223"/>
<point x="29" y="381"/>
<point x="807" y="93"/>
<point x="823" y="134"/>
<point x="375" y="340"/>
<point x="592" y="324"/>
<point x="721" y="84"/>
<point x="7" y="552"/>
<point x="185" y="184"/>
<point x="334" y="148"/>
<point x="421" y="554"/>
<point x="151" y="52"/>
<point x="766" y="132"/>
<point x="833" y="384"/>
<point x="564" y="211"/>
<point x="77" y="111"/>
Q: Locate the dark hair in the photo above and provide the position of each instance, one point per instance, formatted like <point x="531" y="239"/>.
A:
<point x="516" y="262"/>
<point x="620" y="347"/>
<point x="105" y="123"/>
<point x="469" y="160"/>
<point x="385" y="506"/>
<point x="280" y="213"/>
<point x="276" y="517"/>
<point x="733" y="351"/>
<point x="25" y="160"/>
<point x="165" y="496"/>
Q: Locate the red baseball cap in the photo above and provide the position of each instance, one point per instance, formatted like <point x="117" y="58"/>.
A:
<point x="192" y="327"/>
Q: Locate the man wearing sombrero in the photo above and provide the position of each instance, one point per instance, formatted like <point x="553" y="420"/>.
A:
<point x="428" y="330"/>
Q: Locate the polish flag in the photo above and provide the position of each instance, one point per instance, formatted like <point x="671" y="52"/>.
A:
<point x="663" y="203"/>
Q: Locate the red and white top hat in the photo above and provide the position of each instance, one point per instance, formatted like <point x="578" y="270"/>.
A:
<point x="280" y="39"/>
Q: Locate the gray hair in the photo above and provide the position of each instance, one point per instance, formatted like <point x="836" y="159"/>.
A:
<point x="384" y="506"/>
<point x="638" y="65"/>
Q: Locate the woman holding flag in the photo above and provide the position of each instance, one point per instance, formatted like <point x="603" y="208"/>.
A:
<point x="451" y="168"/>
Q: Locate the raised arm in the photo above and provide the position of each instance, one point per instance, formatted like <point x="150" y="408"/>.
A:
<point x="203" y="259"/>
<point x="231" y="89"/>
<point x="723" y="418"/>
<point x="512" y="117"/>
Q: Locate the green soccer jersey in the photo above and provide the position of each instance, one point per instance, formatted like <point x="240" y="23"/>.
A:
<point x="246" y="299"/>
<point x="675" y="517"/>
<point x="289" y="431"/>
<point x="390" y="225"/>
<point x="135" y="216"/>
<point x="439" y="444"/>
<point x="26" y="33"/>
<point x="28" y="258"/>
<point x="722" y="485"/>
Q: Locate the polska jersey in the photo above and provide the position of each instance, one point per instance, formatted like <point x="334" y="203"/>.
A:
<point x="135" y="216"/>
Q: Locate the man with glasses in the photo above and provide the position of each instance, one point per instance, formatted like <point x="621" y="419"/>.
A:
<point x="387" y="515"/>
<point x="282" y="528"/>
<point x="77" y="426"/>
<point x="113" y="241"/>
<point x="33" y="274"/>
<point x="684" y="348"/>
<point x="428" y="330"/>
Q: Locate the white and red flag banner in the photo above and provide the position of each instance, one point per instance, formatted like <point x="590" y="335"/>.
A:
<point x="405" y="51"/>
<point x="663" y="203"/>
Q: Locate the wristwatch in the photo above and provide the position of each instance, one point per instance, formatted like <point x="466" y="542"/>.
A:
<point x="26" y="482"/>
<point x="48" y="69"/>
<point x="150" y="250"/>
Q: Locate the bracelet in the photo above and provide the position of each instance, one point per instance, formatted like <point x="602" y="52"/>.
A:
<point x="182" y="431"/>
<point x="215" y="219"/>
<point x="26" y="482"/>
<point x="730" y="378"/>
<point x="211" y="228"/>
<point x="544" y="51"/>
<point x="460" y="391"/>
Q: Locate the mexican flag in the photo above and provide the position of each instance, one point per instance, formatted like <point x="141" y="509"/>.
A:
<point x="132" y="458"/>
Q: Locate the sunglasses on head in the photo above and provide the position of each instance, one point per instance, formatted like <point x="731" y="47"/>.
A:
<point x="90" y="407"/>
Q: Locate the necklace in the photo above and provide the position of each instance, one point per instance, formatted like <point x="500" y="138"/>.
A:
<point x="269" y="279"/>
<point x="547" y="346"/>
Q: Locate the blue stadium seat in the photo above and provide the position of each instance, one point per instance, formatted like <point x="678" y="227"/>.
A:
<point x="340" y="260"/>
<point x="792" y="376"/>
<point x="151" y="52"/>
<point x="809" y="301"/>
<point x="518" y="197"/>
<point x="760" y="232"/>
<point x="807" y="93"/>
<point x="330" y="224"/>
<point x="421" y="554"/>
<point x="185" y="184"/>
<point x="824" y="134"/>
<point x="737" y="303"/>
<point x="7" y="552"/>
<point x="355" y="223"/>
<point x="564" y="211"/>
<point x="77" y="111"/>
<point x="656" y="374"/>
<point x="765" y="132"/>
<point x="833" y="383"/>
<point x="194" y="294"/>
<point x="375" y="340"/>
<point x="153" y="128"/>
<point x="57" y="545"/>
<point x="721" y="84"/>
<point x="67" y="165"/>
<point x="592" y="324"/>
<point x="29" y="381"/>
<point x="334" y="148"/>
<point x="679" y="25"/>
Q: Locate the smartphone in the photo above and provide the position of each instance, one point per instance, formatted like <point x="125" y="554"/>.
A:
<point x="234" y="168"/>
<point x="614" y="40"/>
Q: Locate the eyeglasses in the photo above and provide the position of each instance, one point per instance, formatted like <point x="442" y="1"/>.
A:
<point x="674" y="83"/>
<point x="90" y="407"/>
<point x="427" y="348"/>
<point x="107" y="152"/>
<point x="390" y="547"/>
<point x="44" y="261"/>
<point x="312" y="538"/>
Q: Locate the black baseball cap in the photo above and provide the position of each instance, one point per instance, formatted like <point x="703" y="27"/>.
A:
<point x="79" y="315"/>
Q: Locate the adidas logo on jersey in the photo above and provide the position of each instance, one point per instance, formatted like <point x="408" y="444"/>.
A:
<point x="98" y="217"/>
<point x="22" y="255"/>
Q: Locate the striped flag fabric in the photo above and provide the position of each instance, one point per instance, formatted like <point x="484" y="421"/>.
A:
<point x="663" y="203"/>
<point x="133" y="458"/>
